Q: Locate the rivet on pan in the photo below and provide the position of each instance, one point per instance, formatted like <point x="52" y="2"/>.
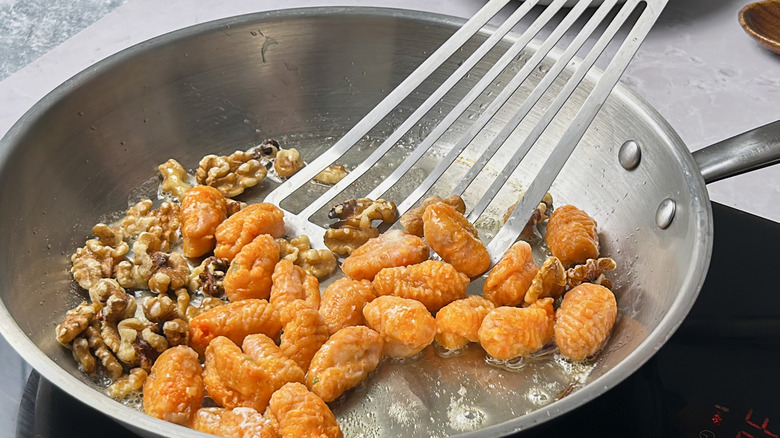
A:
<point x="665" y="213"/>
<point x="629" y="155"/>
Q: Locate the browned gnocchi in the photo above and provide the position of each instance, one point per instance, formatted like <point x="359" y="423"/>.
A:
<point x="234" y="321"/>
<point x="510" y="332"/>
<point x="412" y="220"/>
<point x="303" y="333"/>
<point x="391" y="249"/>
<point x="251" y="329"/>
<point x="203" y="209"/>
<point x="297" y="412"/>
<point x="455" y="239"/>
<point x="584" y="320"/>
<point x="242" y="227"/>
<point x="343" y="301"/>
<point x="405" y="325"/>
<point x="433" y="283"/>
<point x="458" y="323"/>
<point x="509" y="280"/>
<point x="236" y="379"/>
<point x="344" y="361"/>
<point x="572" y="235"/>
<point x="249" y="275"/>
<point x="236" y="422"/>
<point x="290" y="283"/>
<point x="174" y="389"/>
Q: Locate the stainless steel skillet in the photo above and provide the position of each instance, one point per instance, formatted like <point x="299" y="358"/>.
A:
<point x="304" y="77"/>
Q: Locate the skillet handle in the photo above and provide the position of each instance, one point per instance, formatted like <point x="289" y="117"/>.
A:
<point x="752" y="150"/>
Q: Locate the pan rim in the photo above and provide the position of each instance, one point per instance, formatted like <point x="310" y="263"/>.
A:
<point x="140" y="422"/>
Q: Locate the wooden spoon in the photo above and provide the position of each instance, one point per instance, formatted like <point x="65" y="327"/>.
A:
<point x="761" y="20"/>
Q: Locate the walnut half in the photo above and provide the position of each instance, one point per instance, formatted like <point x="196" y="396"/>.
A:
<point x="175" y="178"/>
<point x="540" y="214"/>
<point x="97" y="258"/>
<point x="113" y="302"/>
<point x="343" y="241"/>
<point x="317" y="262"/>
<point x="592" y="271"/>
<point x="170" y="272"/>
<point x="162" y="222"/>
<point x="549" y="281"/>
<point x="355" y="224"/>
<point x="83" y="356"/>
<point x="266" y="150"/>
<point x="288" y="162"/>
<point x="159" y="309"/>
<point x="152" y="268"/>
<point x="140" y="345"/>
<point x="113" y="368"/>
<point x="129" y="383"/>
<point x="76" y="321"/>
<point x="360" y="213"/>
<point x="231" y="174"/>
<point x="331" y="175"/>
<point x="209" y="276"/>
<point x="177" y="332"/>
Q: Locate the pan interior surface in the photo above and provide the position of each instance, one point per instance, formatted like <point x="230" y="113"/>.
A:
<point x="304" y="77"/>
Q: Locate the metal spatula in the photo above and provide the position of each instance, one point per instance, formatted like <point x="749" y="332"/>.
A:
<point x="593" y="32"/>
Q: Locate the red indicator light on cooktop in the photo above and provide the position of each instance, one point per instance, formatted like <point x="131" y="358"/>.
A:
<point x="757" y="427"/>
<point x="717" y="419"/>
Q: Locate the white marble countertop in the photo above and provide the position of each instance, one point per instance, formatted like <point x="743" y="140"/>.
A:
<point x="697" y="68"/>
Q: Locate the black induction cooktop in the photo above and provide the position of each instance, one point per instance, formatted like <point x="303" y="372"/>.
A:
<point x="718" y="376"/>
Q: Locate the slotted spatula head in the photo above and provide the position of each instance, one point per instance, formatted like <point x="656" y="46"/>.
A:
<point x="554" y="49"/>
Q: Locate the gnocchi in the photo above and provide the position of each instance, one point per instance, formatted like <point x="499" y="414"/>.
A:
<point x="251" y="329"/>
